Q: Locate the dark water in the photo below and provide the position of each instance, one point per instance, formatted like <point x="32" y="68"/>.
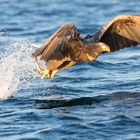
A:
<point x="99" y="100"/>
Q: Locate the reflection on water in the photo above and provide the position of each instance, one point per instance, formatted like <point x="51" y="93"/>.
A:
<point x="118" y="98"/>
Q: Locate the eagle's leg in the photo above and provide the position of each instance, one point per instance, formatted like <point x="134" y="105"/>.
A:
<point x="44" y="73"/>
<point x="52" y="73"/>
<point x="41" y="71"/>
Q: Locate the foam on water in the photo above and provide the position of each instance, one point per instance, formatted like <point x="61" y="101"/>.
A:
<point x="16" y="67"/>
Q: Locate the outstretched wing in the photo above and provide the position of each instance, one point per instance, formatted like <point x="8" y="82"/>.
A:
<point x="56" y="47"/>
<point x="121" y="32"/>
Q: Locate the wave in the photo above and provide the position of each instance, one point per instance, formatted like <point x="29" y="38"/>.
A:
<point x="16" y="67"/>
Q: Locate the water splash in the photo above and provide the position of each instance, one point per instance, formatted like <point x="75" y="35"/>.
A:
<point x="16" y="67"/>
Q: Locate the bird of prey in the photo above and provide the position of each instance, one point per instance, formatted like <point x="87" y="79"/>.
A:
<point x="66" y="46"/>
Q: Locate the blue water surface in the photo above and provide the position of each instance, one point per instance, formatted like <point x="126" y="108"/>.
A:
<point x="99" y="100"/>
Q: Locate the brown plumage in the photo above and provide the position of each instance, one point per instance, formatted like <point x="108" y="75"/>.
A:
<point x="66" y="47"/>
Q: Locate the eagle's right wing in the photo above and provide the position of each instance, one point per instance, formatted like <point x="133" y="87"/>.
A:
<point x="57" y="46"/>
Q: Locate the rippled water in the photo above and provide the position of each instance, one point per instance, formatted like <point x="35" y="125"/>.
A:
<point x="99" y="100"/>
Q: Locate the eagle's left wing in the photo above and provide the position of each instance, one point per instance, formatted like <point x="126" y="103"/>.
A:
<point x="121" y="32"/>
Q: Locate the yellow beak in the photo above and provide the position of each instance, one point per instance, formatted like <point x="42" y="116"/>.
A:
<point x="105" y="48"/>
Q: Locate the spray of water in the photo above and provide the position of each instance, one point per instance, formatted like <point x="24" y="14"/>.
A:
<point x="16" y="67"/>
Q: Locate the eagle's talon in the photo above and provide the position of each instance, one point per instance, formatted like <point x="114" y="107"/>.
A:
<point x="53" y="73"/>
<point x="41" y="71"/>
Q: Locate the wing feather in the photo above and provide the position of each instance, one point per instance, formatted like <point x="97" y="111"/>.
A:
<point x="55" y="48"/>
<point x="121" y="32"/>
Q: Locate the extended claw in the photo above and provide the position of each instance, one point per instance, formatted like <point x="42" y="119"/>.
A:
<point x="53" y="73"/>
<point x="44" y="73"/>
<point x="41" y="71"/>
